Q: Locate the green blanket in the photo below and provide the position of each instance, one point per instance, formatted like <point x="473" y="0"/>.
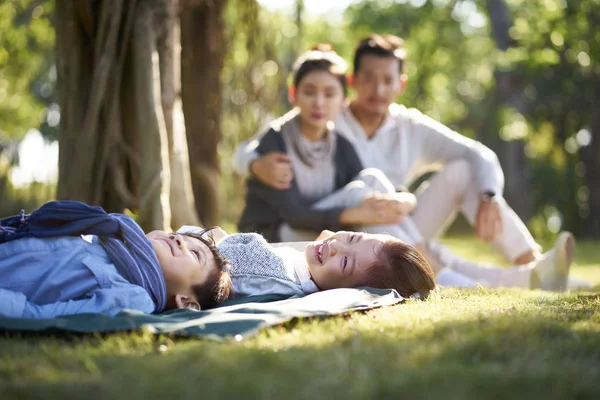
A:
<point x="238" y="318"/>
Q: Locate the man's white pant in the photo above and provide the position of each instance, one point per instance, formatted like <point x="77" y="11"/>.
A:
<point x="450" y="190"/>
<point x="453" y="189"/>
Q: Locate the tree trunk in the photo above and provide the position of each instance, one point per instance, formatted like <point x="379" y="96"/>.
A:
<point x="149" y="122"/>
<point x="202" y="55"/>
<point x="509" y="93"/>
<point x="112" y="132"/>
<point x="169" y="49"/>
<point x="590" y="156"/>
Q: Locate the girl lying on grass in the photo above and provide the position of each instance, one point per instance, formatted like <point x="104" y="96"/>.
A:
<point x="69" y="258"/>
<point x="350" y="259"/>
<point x="334" y="260"/>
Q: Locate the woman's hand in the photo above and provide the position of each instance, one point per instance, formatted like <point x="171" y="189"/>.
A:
<point x="406" y="201"/>
<point x="376" y="209"/>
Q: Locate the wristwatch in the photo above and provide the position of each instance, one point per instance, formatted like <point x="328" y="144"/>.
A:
<point x="488" y="196"/>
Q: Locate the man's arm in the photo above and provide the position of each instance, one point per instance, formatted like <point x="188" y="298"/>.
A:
<point x="440" y="144"/>
<point x="245" y="153"/>
<point x="109" y="301"/>
<point x="271" y="168"/>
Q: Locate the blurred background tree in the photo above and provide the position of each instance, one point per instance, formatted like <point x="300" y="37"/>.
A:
<point x="521" y="76"/>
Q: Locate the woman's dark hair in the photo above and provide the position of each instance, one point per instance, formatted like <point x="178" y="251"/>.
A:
<point x="217" y="287"/>
<point x="401" y="267"/>
<point x="381" y="46"/>
<point x="321" y="57"/>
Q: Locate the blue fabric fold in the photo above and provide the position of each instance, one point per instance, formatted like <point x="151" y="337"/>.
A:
<point x="122" y="238"/>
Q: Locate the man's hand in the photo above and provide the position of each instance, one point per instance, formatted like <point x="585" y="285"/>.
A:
<point x="273" y="169"/>
<point x="488" y="222"/>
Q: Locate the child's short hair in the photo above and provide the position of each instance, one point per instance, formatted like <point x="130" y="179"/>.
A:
<point x="401" y="267"/>
<point x="217" y="287"/>
<point x="321" y="57"/>
<point x="382" y="46"/>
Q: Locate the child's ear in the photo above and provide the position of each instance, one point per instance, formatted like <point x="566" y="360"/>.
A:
<point x="350" y="80"/>
<point x="292" y="94"/>
<point x="183" y="301"/>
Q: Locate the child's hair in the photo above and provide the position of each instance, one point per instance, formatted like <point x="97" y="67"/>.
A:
<point x="217" y="288"/>
<point x="400" y="266"/>
<point x="321" y="57"/>
<point x="382" y="46"/>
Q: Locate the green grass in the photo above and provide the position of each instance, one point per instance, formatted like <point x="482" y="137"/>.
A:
<point x="458" y="344"/>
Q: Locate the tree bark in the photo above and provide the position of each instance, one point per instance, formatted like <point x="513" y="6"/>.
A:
<point x="590" y="156"/>
<point x="183" y="209"/>
<point x="509" y="93"/>
<point x="112" y="130"/>
<point x="202" y="55"/>
<point x="155" y="177"/>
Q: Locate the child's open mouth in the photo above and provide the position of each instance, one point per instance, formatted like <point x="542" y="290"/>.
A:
<point x="319" y="252"/>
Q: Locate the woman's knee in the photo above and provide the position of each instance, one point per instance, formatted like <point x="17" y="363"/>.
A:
<point x="376" y="179"/>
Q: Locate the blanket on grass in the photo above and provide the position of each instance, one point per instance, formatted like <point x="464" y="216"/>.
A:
<point x="239" y="318"/>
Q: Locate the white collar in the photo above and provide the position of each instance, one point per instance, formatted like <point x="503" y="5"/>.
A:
<point x="357" y="129"/>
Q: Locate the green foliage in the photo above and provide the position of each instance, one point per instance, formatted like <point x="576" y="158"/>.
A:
<point x="26" y="57"/>
<point x="13" y="200"/>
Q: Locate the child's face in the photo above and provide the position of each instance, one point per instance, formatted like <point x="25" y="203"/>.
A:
<point x="342" y="259"/>
<point x="320" y="97"/>
<point x="185" y="261"/>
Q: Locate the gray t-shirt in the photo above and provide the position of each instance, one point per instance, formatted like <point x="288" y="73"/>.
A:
<point x="258" y="268"/>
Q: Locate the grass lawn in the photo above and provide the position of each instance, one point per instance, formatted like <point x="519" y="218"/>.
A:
<point x="478" y="344"/>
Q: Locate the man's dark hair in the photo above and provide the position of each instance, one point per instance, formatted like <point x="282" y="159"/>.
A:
<point x="217" y="287"/>
<point x="381" y="46"/>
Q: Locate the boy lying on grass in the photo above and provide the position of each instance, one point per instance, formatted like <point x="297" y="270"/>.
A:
<point x="69" y="258"/>
<point x="47" y="268"/>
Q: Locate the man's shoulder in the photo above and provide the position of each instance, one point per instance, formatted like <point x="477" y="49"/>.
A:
<point x="277" y="124"/>
<point x="400" y="111"/>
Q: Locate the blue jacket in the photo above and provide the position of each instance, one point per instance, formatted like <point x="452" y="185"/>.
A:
<point x="45" y="278"/>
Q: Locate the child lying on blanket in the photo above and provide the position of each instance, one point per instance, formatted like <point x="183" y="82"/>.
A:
<point x="548" y="273"/>
<point x="47" y="268"/>
<point x="334" y="260"/>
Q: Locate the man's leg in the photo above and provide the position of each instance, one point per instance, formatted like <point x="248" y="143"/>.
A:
<point x="453" y="189"/>
<point x="486" y="275"/>
<point x="550" y="271"/>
